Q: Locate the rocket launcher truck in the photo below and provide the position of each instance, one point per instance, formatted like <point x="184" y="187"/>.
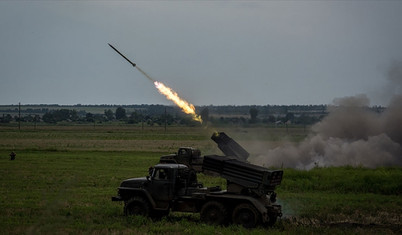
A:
<point x="249" y="199"/>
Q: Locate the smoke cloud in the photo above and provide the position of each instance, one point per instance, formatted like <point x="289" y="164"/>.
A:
<point x="394" y="77"/>
<point x="351" y="134"/>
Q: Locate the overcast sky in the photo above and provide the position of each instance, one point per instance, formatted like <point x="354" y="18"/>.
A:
<point x="210" y="52"/>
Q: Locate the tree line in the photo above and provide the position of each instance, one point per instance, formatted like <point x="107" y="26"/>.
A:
<point x="168" y="115"/>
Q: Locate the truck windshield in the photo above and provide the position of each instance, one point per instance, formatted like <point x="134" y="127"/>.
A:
<point x="183" y="152"/>
<point x="161" y="174"/>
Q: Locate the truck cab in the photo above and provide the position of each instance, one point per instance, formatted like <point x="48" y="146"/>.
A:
<point x="157" y="190"/>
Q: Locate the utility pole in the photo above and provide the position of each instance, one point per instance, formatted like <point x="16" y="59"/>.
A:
<point x="19" y="116"/>
<point x="165" y="119"/>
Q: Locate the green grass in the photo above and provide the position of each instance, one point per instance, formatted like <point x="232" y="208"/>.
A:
<point x="63" y="178"/>
<point x="344" y="180"/>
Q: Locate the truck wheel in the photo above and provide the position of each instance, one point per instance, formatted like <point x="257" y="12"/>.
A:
<point x="214" y="212"/>
<point x="136" y="206"/>
<point x="246" y="215"/>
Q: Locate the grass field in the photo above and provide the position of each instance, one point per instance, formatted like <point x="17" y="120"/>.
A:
<point x="64" y="176"/>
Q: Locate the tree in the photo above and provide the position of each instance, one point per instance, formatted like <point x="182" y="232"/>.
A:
<point x="253" y="115"/>
<point x="109" y="114"/>
<point x="89" y="117"/>
<point x="74" y="115"/>
<point x="62" y="114"/>
<point x="48" y="117"/>
<point x="290" y="117"/>
<point x="135" y="118"/>
<point x="121" y="113"/>
<point x="7" y="118"/>
<point x="29" y="118"/>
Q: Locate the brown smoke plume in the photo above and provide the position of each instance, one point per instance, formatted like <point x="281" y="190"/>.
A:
<point x="351" y="134"/>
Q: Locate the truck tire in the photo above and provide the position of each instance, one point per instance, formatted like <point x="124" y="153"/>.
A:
<point x="214" y="213"/>
<point x="136" y="206"/>
<point x="246" y="215"/>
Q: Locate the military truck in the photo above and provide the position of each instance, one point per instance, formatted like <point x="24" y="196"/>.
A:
<point x="249" y="199"/>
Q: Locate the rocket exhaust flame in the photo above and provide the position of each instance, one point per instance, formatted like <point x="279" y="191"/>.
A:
<point x="166" y="91"/>
<point x="173" y="96"/>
